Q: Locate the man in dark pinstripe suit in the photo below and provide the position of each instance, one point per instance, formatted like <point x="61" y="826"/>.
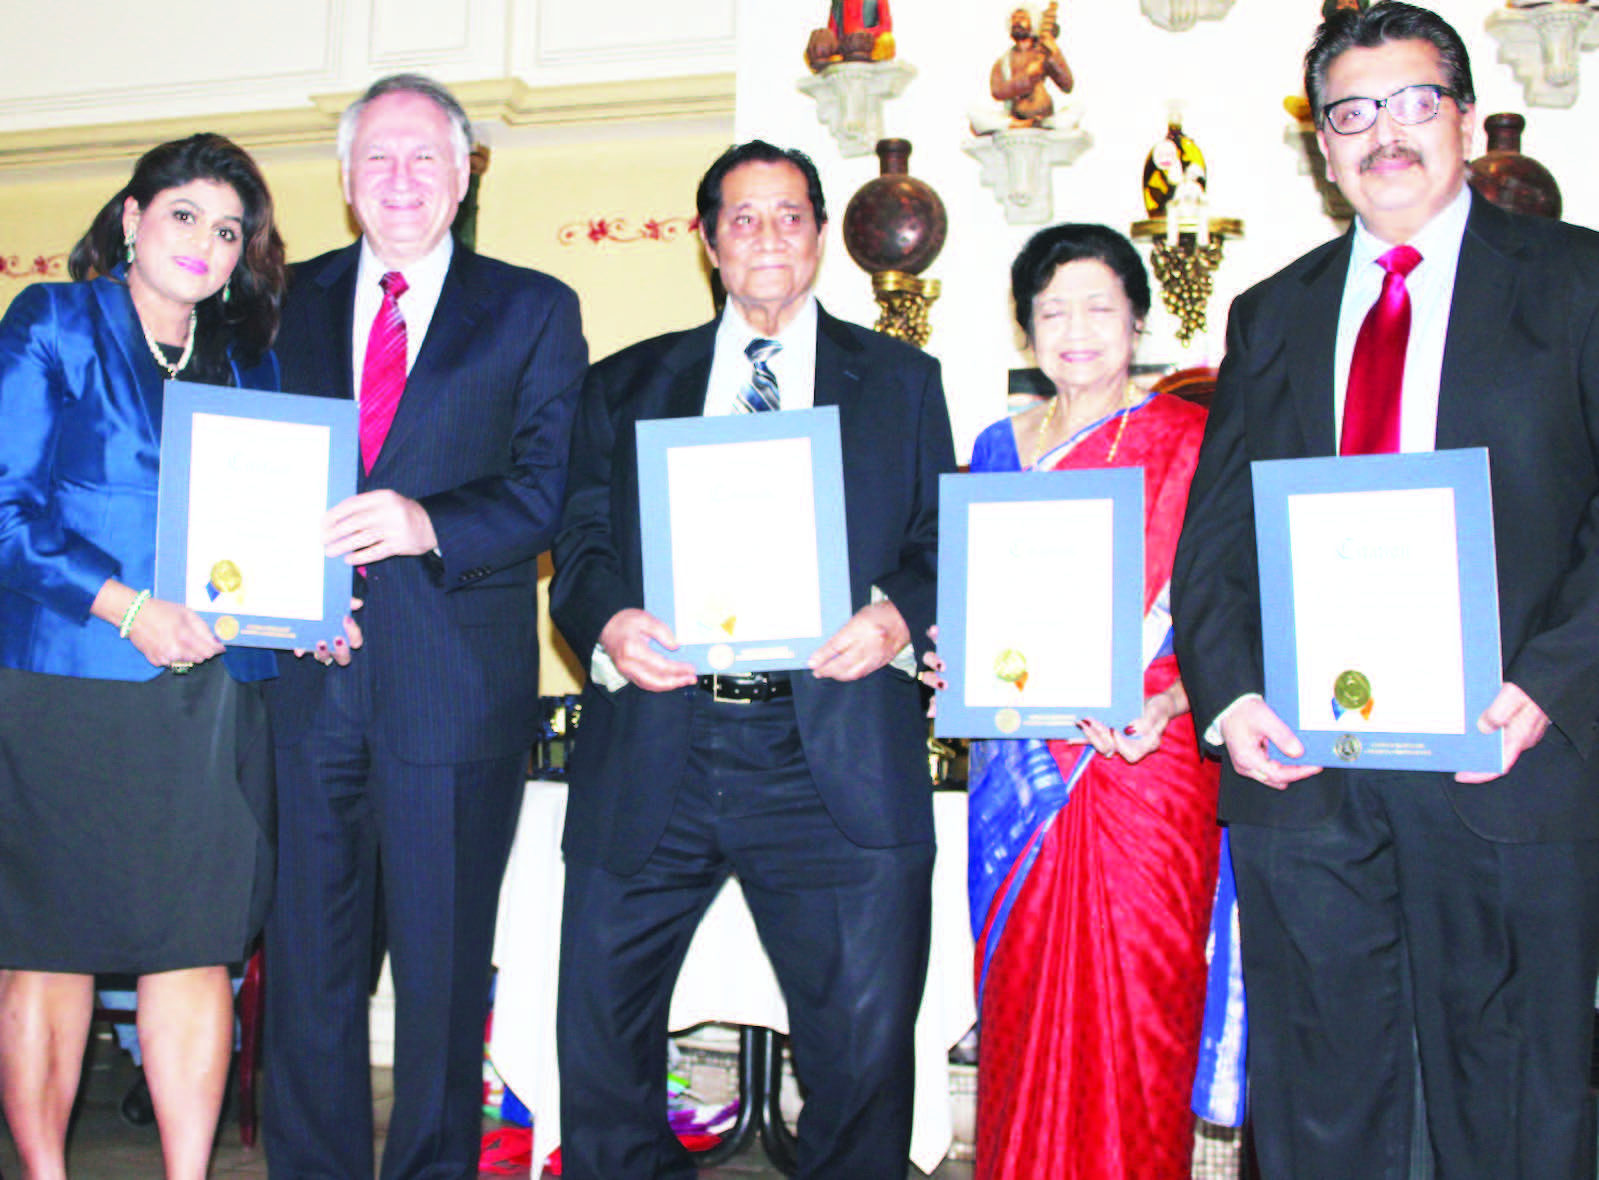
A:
<point x="411" y="754"/>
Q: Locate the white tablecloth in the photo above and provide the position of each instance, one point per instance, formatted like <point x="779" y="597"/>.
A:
<point x="726" y="977"/>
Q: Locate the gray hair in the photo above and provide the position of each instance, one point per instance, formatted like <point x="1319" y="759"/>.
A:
<point x="420" y="84"/>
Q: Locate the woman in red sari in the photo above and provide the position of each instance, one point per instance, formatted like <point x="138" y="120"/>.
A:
<point x="1094" y="863"/>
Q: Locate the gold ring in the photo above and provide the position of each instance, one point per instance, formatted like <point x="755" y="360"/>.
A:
<point x="181" y="667"/>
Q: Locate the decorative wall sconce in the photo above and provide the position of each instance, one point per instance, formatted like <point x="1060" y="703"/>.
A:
<point x="1181" y="15"/>
<point x="1542" y="42"/>
<point x="849" y="99"/>
<point x="1301" y="136"/>
<point x="1187" y="250"/>
<point x="1018" y="165"/>
<point x="894" y="228"/>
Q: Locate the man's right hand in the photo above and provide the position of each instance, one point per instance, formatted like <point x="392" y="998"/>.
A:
<point x="1246" y="729"/>
<point x="626" y="639"/>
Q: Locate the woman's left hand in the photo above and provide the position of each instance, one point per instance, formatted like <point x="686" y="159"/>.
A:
<point x="1142" y="737"/>
<point x="340" y="650"/>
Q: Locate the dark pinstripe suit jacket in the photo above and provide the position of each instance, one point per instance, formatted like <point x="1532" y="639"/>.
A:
<point x="480" y="439"/>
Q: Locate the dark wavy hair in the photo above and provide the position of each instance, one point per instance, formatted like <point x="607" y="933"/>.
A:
<point x="246" y="324"/>
<point x="1050" y="249"/>
<point x="1387" y="20"/>
<point x="708" y="200"/>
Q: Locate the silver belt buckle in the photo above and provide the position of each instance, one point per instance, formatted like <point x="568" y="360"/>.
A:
<point x="716" y="694"/>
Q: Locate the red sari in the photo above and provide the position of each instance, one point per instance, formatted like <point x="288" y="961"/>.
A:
<point x="1094" y="992"/>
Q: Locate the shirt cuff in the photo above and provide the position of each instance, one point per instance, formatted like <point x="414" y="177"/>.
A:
<point x="905" y="658"/>
<point x="603" y="671"/>
<point x="1213" y="732"/>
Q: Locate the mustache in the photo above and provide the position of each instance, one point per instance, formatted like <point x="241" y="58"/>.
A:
<point x="1387" y="152"/>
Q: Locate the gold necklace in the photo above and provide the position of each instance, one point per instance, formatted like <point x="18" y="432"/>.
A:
<point x="1049" y="416"/>
<point x="167" y="367"/>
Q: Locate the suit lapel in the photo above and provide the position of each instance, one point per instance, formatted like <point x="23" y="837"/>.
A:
<point x="839" y="364"/>
<point x="139" y="374"/>
<point x="1313" y="344"/>
<point x="686" y="369"/>
<point x="1486" y="285"/>
<point x="330" y="347"/>
<point x="451" y="330"/>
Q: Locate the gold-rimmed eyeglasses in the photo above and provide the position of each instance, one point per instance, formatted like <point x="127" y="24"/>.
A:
<point x="1409" y="105"/>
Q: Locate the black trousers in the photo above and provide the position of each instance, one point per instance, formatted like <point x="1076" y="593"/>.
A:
<point x="442" y="834"/>
<point x="1392" y="930"/>
<point x="846" y="929"/>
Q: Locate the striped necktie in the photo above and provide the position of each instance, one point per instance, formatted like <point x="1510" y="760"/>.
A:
<point x="760" y="391"/>
<point x="1377" y="368"/>
<point x="383" y="370"/>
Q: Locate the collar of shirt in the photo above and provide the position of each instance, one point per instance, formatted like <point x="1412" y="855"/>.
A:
<point x="794" y="367"/>
<point x="1432" y="287"/>
<point x="424" y="280"/>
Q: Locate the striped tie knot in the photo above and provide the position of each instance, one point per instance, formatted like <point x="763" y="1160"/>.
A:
<point x="394" y="285"/>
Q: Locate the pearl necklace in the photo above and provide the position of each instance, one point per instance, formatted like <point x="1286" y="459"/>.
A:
<point x="1049" y="416"/>
<point x="167" y="367"/>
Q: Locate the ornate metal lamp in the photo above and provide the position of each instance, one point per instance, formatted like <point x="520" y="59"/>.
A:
<point x="894" y="228"/>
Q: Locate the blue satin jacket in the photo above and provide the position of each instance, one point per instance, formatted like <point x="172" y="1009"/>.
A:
<point x="80" y="450"/>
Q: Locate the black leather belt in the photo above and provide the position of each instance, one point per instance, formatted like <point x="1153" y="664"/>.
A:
<point x="748" y="688"/>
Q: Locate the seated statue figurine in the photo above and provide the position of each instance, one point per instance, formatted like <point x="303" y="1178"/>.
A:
<point x="1020" y="79"/>
<point x="857" y="30"/>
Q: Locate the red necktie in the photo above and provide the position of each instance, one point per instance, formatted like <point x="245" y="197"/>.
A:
<point x="383" y="370"/>
<point x="1377" y="368"/>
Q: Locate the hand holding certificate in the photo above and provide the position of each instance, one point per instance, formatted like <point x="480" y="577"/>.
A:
<point x="246" y="477"/>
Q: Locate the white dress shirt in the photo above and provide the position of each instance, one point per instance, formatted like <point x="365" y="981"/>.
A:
<point x="1432" y="289"/>
<point x="424" y="280"/>
<point x="794" y="366"/>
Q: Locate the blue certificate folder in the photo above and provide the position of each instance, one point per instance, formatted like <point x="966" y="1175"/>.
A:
<point x="1040" y="601"/>
<point x="1379" y="603"/>
<point x="745" y="552"/>
<point x="245" y="477"/>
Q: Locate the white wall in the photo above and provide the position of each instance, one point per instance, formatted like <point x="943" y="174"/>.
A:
<point x="1231" y="75"/>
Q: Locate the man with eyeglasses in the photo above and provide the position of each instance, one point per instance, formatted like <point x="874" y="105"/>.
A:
<point x="1411" y="924"/>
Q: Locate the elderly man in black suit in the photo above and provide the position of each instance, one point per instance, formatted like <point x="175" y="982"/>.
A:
<point x="412" y="754"/>
<point x="1392" y="918"/>
<point x="811" y="786"/>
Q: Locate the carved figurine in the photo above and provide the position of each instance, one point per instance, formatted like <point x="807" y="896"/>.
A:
<point x="857" y="30"/>
<point x="1020" y="78"/>
<point x="1328" y="7"/>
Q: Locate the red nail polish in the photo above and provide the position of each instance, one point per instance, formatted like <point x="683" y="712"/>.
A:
<point x="1128" y="731"/>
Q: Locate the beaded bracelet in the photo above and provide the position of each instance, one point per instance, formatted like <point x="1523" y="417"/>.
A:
<point x="134" y="607"/>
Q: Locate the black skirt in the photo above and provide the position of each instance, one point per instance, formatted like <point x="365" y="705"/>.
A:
<point x="135" y="821"/>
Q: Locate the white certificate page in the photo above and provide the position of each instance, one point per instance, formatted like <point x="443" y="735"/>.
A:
<point x="744" y="542"/>
<point x="1038" y="604"/>
<point x="1376" y="579"/>
<point x="257" y="492"/>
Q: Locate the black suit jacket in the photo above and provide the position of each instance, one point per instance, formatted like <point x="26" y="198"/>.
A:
<point x="480" y="440"/>
<point x="864" y="740"/>
<point x="1521" y="377"/>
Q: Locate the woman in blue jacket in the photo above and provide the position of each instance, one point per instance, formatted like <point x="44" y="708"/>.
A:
<point x="135" y="770"/>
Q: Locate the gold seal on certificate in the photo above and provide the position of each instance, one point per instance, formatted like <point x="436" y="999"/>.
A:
<point x="225" y="576"/>
<point x="1011" y="667"/>
<point x="227" y="628"/>
<point x="1351" y="689"/>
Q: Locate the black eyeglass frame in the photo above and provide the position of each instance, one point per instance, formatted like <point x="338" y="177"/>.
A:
<point x="1379" y="104"/>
